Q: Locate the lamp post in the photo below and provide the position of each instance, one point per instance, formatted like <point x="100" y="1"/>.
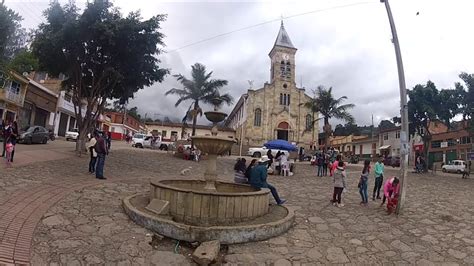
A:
<point x="244" y="118"/>
<point x="404" y="145"/>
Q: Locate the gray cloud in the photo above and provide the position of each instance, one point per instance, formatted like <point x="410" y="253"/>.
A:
<point x="349" y="48"/>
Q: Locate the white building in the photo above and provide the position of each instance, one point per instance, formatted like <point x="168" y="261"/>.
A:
<point x="65" y="118"/>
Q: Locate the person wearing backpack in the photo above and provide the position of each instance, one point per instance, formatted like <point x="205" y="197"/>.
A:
<point x="101" y="149"/>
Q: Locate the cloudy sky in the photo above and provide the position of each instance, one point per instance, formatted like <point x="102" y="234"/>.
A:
<point x="345" y="44"/>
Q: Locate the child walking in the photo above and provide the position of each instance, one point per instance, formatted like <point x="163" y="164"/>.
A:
<point x="339" y="180"/>
<point x="364" y="179"/>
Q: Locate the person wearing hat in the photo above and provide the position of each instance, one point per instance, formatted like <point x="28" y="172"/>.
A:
<point x="258" y="179"/>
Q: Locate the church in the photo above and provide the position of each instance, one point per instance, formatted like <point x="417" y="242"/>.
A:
<point x="275" y="111"/>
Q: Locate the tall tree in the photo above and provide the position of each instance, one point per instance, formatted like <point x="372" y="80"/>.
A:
<point x="467" y="108"/>
<point x="12" y="35"/>
<point x="24" y="61"/>
<point x="200" y="88"/>
<point x="422" y="105"/>
<point x="103" y="55"/>
<point x="328" y="107"/>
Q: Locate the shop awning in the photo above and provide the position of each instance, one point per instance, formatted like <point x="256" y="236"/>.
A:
<point x="384" y="147"/>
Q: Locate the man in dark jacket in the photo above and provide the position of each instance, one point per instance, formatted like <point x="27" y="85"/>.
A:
<point x="101" y="150"/>
<point x="258" y="179"/>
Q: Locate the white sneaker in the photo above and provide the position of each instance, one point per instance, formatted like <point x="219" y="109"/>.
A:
<point x="340" y="205"/>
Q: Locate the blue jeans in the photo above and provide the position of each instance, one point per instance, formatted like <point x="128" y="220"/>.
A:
<point x="99" y="169"/>
<point x="272" y="190"/>
<point x="363" y="191"/>
<point x="92" y="163"/>
<point x="320" y="170"/>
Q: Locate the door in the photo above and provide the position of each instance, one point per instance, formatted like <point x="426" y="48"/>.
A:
<point x="63" y="124"/>
<point x="282" y="134"/>
<point x="36" y="136"/>
<point x="40" y="117"/>
<point x="72" y="123"/>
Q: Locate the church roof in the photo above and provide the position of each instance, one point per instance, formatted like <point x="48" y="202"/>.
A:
<point x="283" y="39"/>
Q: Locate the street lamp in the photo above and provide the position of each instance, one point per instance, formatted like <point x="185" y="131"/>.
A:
<point x="404" y="146"/>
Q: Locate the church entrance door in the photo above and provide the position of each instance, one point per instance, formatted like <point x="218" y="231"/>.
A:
<point x="282" y="134"/>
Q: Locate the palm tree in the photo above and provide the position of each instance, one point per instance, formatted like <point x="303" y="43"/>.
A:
<point x="328" y="107"/>
<point x="201" y="88"/>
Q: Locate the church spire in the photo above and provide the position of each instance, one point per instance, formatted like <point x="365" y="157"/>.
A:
<point x="282" y="38"/>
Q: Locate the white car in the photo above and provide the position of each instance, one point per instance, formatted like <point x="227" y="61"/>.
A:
<point x="72" y="134"/>
<point x="456" y="166"/>
<point x="137" y="140"/>
<point x="258" y="152"/>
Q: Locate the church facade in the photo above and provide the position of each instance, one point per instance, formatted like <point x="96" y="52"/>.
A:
<point x="276" y="111"/>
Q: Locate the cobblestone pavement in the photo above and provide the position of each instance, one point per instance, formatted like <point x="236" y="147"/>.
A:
<point x="78" y="220"/>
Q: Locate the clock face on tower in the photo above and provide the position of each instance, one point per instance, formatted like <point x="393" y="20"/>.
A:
<point x="286" y="56"/>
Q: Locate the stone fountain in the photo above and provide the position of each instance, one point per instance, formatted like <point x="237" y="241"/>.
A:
<point x="202" y="210"/>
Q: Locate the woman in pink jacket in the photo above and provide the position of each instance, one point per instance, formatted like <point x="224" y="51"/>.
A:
<point x="391" y="189"/>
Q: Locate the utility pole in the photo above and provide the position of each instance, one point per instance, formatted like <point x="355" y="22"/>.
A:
<point x="404" y="145"/>
<point x="244" y="122"/>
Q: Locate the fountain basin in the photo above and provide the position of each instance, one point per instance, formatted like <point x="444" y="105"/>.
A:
<point x="213" y="144"/>
<point x="215" y="117"/>
<point x="191" y="204"/>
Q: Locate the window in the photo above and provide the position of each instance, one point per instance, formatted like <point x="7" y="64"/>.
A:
<point x="436" y="144"/>
<point x="112" y="129"/>
<point x="288" y="69"/>
<point x="465" y="140"/>
<point x="309" y="122"/>
<point x="397" y="134"/>
<point x="258" y="118"/>
<point x="385" y="136"/>
<point x="163" y="133"/>
<point x="451" y="142"/>
<point x="67" y="98"/>
<point x="284" y="99"/>
<point x="15" y="87"/>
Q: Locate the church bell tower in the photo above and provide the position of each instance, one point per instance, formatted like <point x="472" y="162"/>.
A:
<point x="282" y="58"/>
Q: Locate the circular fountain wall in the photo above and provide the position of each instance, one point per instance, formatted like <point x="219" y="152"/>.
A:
<point x="191" y="204"/>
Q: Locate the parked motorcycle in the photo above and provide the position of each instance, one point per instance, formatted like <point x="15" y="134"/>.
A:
<point x="51" y="135"/>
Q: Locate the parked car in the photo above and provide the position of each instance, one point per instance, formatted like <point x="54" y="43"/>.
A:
<point x="72" y="134"/>
<point x="455" y="166"/>
<point x="34" y="134"/>
<point x="393" y="161"/>
<point x="258" y="152"/>
<point x="137" y="140"/>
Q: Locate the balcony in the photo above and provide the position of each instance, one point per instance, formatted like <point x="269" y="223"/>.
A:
<point x="7" y="95"/>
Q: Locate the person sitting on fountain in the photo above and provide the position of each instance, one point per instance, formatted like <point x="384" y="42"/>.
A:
<point x="258" y="178"/>
<point x="239" y="169"/>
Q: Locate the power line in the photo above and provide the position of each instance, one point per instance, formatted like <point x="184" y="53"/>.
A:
<point x="266" y="22"/>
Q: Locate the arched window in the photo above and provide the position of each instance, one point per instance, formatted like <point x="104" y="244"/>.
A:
<point x="258" y="118"/>
<point x="309" y="122"/>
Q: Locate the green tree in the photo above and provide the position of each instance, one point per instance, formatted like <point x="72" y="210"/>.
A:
<point x="328" y="107"/>
<point x="23" y="62"/>
<point x="12" y="35"/>
<point x="133" y="112"/>
<point x="467" y="105"/>
<point x="422" y="104"/>
<point x="103" y="54"/>
<point x="200" y="88"/>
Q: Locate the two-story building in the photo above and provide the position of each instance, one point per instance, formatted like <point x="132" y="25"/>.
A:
<point x="39" y="107"/>
<point x="451" y="145"/>
<point x="175" y="131"/>
<point x="122" y="124"/>
<point x="13" y="87"/>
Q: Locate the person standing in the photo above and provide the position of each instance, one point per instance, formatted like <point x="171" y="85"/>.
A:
<point x="363" y="183"/>
<point x="109" y="140"/>
<point x="101" y="150"/>
<point x="326" y="163"/>
<point x="270" y="158"/>
<point x="13" y="138"/>
<point x="93" y="155"/>
<point x="258" y="179"/>
<point x="6" y="132"/>
<point x="339" y="180"/>
<point x="320" y="162"/>
<point x="379" y="169"/>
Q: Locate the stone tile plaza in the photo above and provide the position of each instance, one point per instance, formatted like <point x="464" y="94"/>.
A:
<point x="55" y="214"/>
<point x="184" y="133"/>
